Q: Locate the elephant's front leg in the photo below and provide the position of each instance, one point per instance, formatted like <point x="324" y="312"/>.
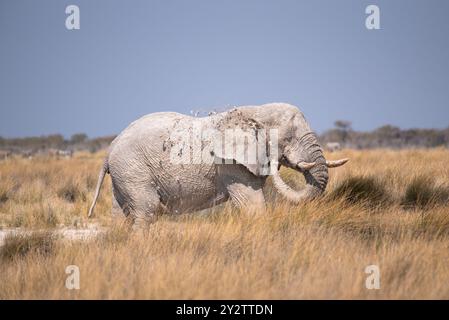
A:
<point x="250" y="198"/>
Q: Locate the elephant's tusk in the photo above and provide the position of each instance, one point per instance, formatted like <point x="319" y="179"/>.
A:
<point x="336" y="163"/>
<point x="305" y="166"/>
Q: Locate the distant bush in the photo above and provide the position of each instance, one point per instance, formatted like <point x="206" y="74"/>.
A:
<point x="386" y="137"/>
<point x="79" y="141"/>
<point x="78" y="138"/>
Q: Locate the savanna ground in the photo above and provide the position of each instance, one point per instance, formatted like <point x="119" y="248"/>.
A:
<point x="384" y="208"/>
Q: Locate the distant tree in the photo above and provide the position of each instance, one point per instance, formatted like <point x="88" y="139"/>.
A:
<point x="388" y="130"/>
<point x="387" y="136"/>
<point x="435" y="138"/>
<point x="446" y="136"/>
<point x="78" y="138"/>
<point x="54" y="140"/>
<point x="343" y="128"/>
<point x="343" y="125"/>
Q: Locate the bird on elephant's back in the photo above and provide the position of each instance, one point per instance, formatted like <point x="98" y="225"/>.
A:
<point x="173" y="163"/>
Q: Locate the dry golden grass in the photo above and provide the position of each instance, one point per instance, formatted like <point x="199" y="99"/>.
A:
<point x="381" y="208"/>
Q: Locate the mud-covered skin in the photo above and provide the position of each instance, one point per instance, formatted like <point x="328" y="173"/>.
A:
<point x="146" y="180"/>
<point x="144" y="177"/>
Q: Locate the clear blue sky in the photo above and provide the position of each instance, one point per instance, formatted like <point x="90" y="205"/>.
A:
<point x="131" y="58"/>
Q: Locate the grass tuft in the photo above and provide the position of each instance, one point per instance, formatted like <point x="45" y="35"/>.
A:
<point x="19" y="245"/>
<point x="3" y="195"/>
<point x="117" y="234"/>
<point x="71" y="192"/>
<point x="367" y="191"/>
<point x="422" y="193"/>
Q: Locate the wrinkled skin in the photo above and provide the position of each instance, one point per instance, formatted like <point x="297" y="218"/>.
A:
<point x="146" y="182"/>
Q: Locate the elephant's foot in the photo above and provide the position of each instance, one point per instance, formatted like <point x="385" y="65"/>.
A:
<point x="142" y="222"/>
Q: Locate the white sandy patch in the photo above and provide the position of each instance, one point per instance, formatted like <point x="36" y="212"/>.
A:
<point x="75" y="234"/>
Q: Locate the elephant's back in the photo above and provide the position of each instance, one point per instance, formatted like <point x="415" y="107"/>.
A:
<point x="147" y="143"/>
<point x="150" y="123"/>
<point x="144" y="135"/>
<point x="146" y="130"/>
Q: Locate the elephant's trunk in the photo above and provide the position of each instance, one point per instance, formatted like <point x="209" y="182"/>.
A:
<point x="316" y="177"/>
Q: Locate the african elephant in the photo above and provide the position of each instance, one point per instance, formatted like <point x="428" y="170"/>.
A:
<point x="148" y="176"/>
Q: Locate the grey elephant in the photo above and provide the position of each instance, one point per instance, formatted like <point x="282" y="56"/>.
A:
<point x="173" y="163"/>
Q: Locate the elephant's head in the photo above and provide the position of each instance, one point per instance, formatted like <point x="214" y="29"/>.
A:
<point x="297" y="147"/>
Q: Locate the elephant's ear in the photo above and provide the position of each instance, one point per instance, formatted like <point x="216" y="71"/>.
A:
<point x="242" y="140"/>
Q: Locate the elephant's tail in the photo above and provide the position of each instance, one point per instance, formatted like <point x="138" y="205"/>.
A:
<point x="104" y="170"/>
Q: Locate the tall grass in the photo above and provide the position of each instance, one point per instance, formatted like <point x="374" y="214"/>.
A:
<point x="316" y="250"/>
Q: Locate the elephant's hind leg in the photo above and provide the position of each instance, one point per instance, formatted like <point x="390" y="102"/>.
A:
<point x="116" y="211"/>
<point x="144" y="208"/>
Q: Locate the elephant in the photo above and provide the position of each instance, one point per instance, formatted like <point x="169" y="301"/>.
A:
<point x="148" y="177"/>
